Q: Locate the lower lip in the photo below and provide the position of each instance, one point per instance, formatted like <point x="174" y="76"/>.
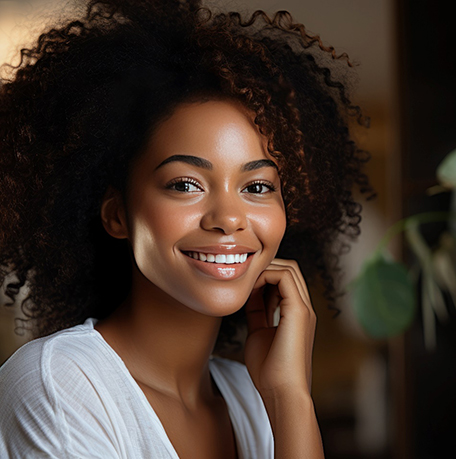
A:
<point x="221" y="271"/>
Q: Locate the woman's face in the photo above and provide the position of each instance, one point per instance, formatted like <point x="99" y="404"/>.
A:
<point x="204" y="209"/>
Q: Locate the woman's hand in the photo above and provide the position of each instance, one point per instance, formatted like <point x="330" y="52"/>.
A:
<point x="280" y="357"/>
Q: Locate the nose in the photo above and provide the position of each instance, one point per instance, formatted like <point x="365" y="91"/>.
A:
<point x="224" y="213"/>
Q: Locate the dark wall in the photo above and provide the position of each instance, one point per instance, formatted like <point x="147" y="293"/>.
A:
<point x="428" y="92"/>
<point x="428" y="104"/>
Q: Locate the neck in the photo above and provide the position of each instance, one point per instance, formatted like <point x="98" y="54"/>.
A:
<point x="165" y="345"/>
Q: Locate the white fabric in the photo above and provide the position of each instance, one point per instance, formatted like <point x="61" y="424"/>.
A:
<point x="69" y="395"/>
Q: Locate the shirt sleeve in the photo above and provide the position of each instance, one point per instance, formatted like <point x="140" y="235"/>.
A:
<point x="49" y="409"/>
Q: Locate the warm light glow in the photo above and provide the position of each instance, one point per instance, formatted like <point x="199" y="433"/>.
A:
<point x="21" y="22"/>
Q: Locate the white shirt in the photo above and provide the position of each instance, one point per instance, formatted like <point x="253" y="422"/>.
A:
<point x="69" y="395"/>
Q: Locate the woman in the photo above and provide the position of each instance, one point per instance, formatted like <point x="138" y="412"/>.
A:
<point x="155" y="157"/>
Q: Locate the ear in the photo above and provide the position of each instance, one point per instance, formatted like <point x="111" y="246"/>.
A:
<point x="113" y="214"/>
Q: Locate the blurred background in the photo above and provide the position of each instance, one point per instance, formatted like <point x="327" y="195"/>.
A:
<point x="375" y="398"/>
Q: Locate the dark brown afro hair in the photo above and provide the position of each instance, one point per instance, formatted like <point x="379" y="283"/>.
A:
<point x="82" y="103"/>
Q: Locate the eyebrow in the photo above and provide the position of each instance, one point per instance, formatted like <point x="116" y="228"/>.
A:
<point x="193" y="160"/>
<point x="253" y="165"/>
<point x="205" y="164"/>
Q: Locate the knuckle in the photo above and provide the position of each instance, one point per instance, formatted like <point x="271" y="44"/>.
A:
<point x="294" y="264"/>
<point x="310" y="314"/>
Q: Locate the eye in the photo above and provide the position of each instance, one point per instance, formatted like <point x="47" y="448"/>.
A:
<point x="259" y="188"/>
<point x="184" y="185"/>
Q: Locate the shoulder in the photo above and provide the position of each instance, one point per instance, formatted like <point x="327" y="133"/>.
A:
<point x="42" y="384"/>
<point x="41" y="362"/>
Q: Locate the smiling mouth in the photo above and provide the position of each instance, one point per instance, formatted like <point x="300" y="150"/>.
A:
<point x="226" y="259"/>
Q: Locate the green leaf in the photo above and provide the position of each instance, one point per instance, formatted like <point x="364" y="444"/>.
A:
<point x="383" y="297"/>
<point x="446" y="172"/>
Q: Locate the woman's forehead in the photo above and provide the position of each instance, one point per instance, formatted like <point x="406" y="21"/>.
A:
<point x="216" y="130"/>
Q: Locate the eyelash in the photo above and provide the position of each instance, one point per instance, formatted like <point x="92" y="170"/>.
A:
<point x="182" y="180"/>
<point x="185" y="180"/>
<point x="270" y="186"/>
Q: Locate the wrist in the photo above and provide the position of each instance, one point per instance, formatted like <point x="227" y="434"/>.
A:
<point x="294" y="424"/>
<point x="286" y="400"/>
<point x="285" y="393"/>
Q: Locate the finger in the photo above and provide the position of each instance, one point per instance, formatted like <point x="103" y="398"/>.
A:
<point x="283" y="279"/>
<point x="281" y="268"/>
<point x="272" y="299"/>
<point x="255" y="311"/>
<point x="292" y="301"/>
<point x="299" y="278"/>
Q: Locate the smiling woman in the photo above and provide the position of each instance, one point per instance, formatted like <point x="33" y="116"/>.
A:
<point x="155" y="159"/>
<point x="218" y="196"/>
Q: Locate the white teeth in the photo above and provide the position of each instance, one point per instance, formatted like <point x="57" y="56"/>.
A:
<point x="220" y="258"/>
<point x="228" y="259"/>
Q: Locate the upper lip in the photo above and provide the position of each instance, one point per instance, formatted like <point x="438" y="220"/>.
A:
<point x="221" y="249"/>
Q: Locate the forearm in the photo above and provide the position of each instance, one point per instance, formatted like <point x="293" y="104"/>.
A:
<point x="294" y="425"/>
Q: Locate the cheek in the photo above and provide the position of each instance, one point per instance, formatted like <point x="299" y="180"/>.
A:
<point x="161" y="222"/>
<point x="150" y="228"/>
<point x="271" y="224"/>
<point x="155" y="228"/>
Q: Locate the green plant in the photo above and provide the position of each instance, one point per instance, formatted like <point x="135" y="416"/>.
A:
<point x="384" y="293"/>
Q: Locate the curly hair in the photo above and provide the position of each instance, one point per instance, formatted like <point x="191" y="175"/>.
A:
<point x="83" y="101"/>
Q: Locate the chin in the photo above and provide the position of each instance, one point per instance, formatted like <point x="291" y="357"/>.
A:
<point x="218" y="302"/>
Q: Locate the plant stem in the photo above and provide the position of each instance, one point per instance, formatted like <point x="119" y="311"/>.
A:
<point x="418" y="219"/>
